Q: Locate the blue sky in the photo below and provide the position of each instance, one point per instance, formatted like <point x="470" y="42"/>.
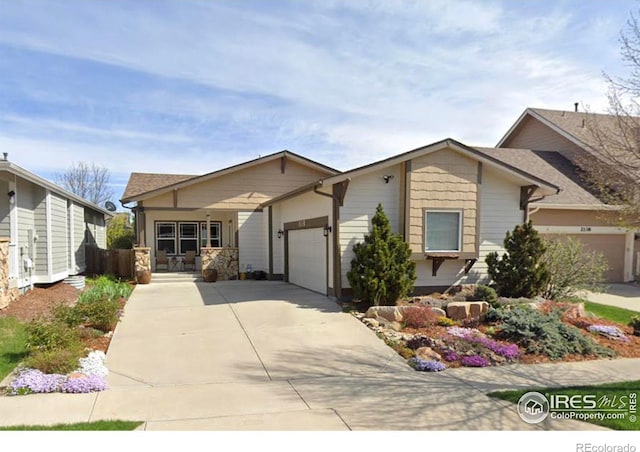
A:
<point x="192" y="86"/>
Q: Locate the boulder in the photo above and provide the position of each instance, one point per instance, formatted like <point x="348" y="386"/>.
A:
<point x="427" y="353"/>
<point x="458" y="310"/>
<point x="373" y="323"/>
<point x="575" y="311"/>
<point x="390" y="313"/>
<point x="439" y="312"/>
<point x="395" y="326"/>
<point x="463" y="310"/>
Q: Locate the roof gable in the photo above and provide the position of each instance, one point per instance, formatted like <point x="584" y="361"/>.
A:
<point x="177" y="181"/>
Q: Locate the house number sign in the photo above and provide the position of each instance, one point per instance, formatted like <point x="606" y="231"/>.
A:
<point x="585" y="228"/>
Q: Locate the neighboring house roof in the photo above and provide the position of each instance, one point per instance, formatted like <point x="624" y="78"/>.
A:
<point x="547" y="187"/>
<point x="136" y="192"/>
<point x="144" y="182"/>
<point x="574" y="126"/>
<point x="12" y="168"/>
<point x="555" y="168"/>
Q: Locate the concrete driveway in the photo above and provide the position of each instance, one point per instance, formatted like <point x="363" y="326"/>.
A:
<point x="263" y="355"/>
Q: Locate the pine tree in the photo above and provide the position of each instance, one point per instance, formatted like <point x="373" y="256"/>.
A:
<point x="521" y="272"/>
<point x="381" y="271"/>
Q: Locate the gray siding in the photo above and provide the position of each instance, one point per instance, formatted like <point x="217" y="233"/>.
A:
<point x="5" y="226"/>
<point x="95" y="232"/>
<point x="59" y="234"/>
<point x="77" y="242"/>
<point x="26" y="223"/>
<point x="40" y="221"/>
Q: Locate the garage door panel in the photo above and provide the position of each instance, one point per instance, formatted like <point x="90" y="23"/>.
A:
<point x="307" y="250"/>
<point x="611" y="246"/>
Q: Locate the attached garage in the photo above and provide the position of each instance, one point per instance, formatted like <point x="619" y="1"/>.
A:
<point x="611" y="246"/>
<point x="307" y="259"/>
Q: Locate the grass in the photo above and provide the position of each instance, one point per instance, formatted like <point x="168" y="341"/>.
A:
<point x="86" y="426"/>
<point x="13" y="339"/>
<point x="608" y="389"/>
<point x="618" y="315"/>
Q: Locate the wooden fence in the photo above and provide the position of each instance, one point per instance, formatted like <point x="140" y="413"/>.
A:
<point x="115" y="262"/>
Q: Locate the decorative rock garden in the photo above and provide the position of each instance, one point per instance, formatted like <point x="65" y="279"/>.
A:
<point x="435" y="333"/>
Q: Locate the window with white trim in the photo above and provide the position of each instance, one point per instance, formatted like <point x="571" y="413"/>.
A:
<point x="166" y="237"/>
<point x="442" y="230"/>
<point x="215" y="231"/>
<point x="188" y="238"/>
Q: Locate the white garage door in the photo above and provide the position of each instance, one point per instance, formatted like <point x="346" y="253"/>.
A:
<point x="308" y="259"/>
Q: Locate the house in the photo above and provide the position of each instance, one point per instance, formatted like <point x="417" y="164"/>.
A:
<point x="44" y="228"/>
<point x="452" y="203"/>
<point x="554" y="143"/>
<point x="179" y="213"/>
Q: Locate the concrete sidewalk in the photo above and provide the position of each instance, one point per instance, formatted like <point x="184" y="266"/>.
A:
<point x="260" y="355"/>
<point x="626" y="296"/>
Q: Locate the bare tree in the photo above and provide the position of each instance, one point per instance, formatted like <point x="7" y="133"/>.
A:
<point x="614" y="167"/>
<point x="87" y="180"/>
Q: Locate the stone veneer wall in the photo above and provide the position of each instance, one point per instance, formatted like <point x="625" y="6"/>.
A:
<point x="224" y="260"/>
<point x="7" y="295"/>
<point x="142" y="257"/>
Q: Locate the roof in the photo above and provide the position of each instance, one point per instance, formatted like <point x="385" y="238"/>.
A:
<point x="548" y="188"/>
<point x="143" y="182"/>
<point x="11" y="167"/>
<point x="577" y="127"/>
<point x="555" y="168"/>
<point x="136" y="189"/>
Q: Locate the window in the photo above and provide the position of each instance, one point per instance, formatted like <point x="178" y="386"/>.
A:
<point x="188" y="237"/>
<point x="442" y="230"/>
<point x="215" y="234"/>
<point x="166" y="237"/>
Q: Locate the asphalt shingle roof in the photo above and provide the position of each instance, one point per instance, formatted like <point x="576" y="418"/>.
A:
<point x="143" y="182"/>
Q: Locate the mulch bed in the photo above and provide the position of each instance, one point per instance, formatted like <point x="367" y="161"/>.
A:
<point x="39" y="303"/>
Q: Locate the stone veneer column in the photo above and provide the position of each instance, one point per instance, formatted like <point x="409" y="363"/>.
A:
<point x="5" y="298"/>
<point x="224" y="260"/>
<point x="142" y="264"/>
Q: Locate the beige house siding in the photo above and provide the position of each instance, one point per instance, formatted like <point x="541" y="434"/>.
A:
<point x="245" y="189"/>
<point x="443" y="180"/>
<point x="533" y="134"/>
<point x="253" y="248"/>
<point x="559" y="217"/>
<point x="500" y="212"/>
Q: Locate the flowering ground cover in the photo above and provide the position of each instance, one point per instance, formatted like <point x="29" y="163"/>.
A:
<point x="551" y="331"/>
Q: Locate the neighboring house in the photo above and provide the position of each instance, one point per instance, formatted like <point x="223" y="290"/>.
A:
<point x="172" y="211"/>
<point x="550" y="143"/>
<point x="48" y="228"/>
<point x="452" y="203"/>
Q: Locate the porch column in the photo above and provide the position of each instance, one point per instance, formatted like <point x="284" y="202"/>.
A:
<point x="208" y="245"/>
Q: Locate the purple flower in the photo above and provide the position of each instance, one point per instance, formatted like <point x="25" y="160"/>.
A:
<point x="475" y="361"/>
<point x="428" y="365"/>
<point x="451" y="356"/>
<point x="610" y="331"/>
<point x="458" y="331"/>
<point x="89" y="383"/>
<point x="508" y="351"/>
<point x="33" y="380"/>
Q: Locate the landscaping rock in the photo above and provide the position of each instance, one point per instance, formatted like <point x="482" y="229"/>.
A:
<point x="439" y="312"/>
<point x="373" y="323"/>
<point x="395" y="326"/>
<point x="575" y="311"/>
<point x="430" y="301"/>
<point x="427" y="353"/>
<point x="390" y="313"/>
<point x="464" y="310"/>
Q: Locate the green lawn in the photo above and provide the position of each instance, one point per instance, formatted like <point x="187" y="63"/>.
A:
<point x="608" y="389"/>
<point x="12" y="344"/>
<point x="87" y="426"/>
<point x="604" y="311"/>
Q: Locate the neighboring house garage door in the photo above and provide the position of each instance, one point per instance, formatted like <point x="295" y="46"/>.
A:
<point x="308" y="259"/>
<point x="612" y="247"/>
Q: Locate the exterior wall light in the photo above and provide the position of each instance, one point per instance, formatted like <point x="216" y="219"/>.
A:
<point x="12" y="196"/>
<point x="280" y="233"/>
<point x="326" y="230"/>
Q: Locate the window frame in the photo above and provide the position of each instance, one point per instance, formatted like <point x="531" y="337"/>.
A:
<point x="180" y="238"/>
<point x="174" y="238"/>
<point x="460" y="213"/>
<point x="203" y="239"/>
